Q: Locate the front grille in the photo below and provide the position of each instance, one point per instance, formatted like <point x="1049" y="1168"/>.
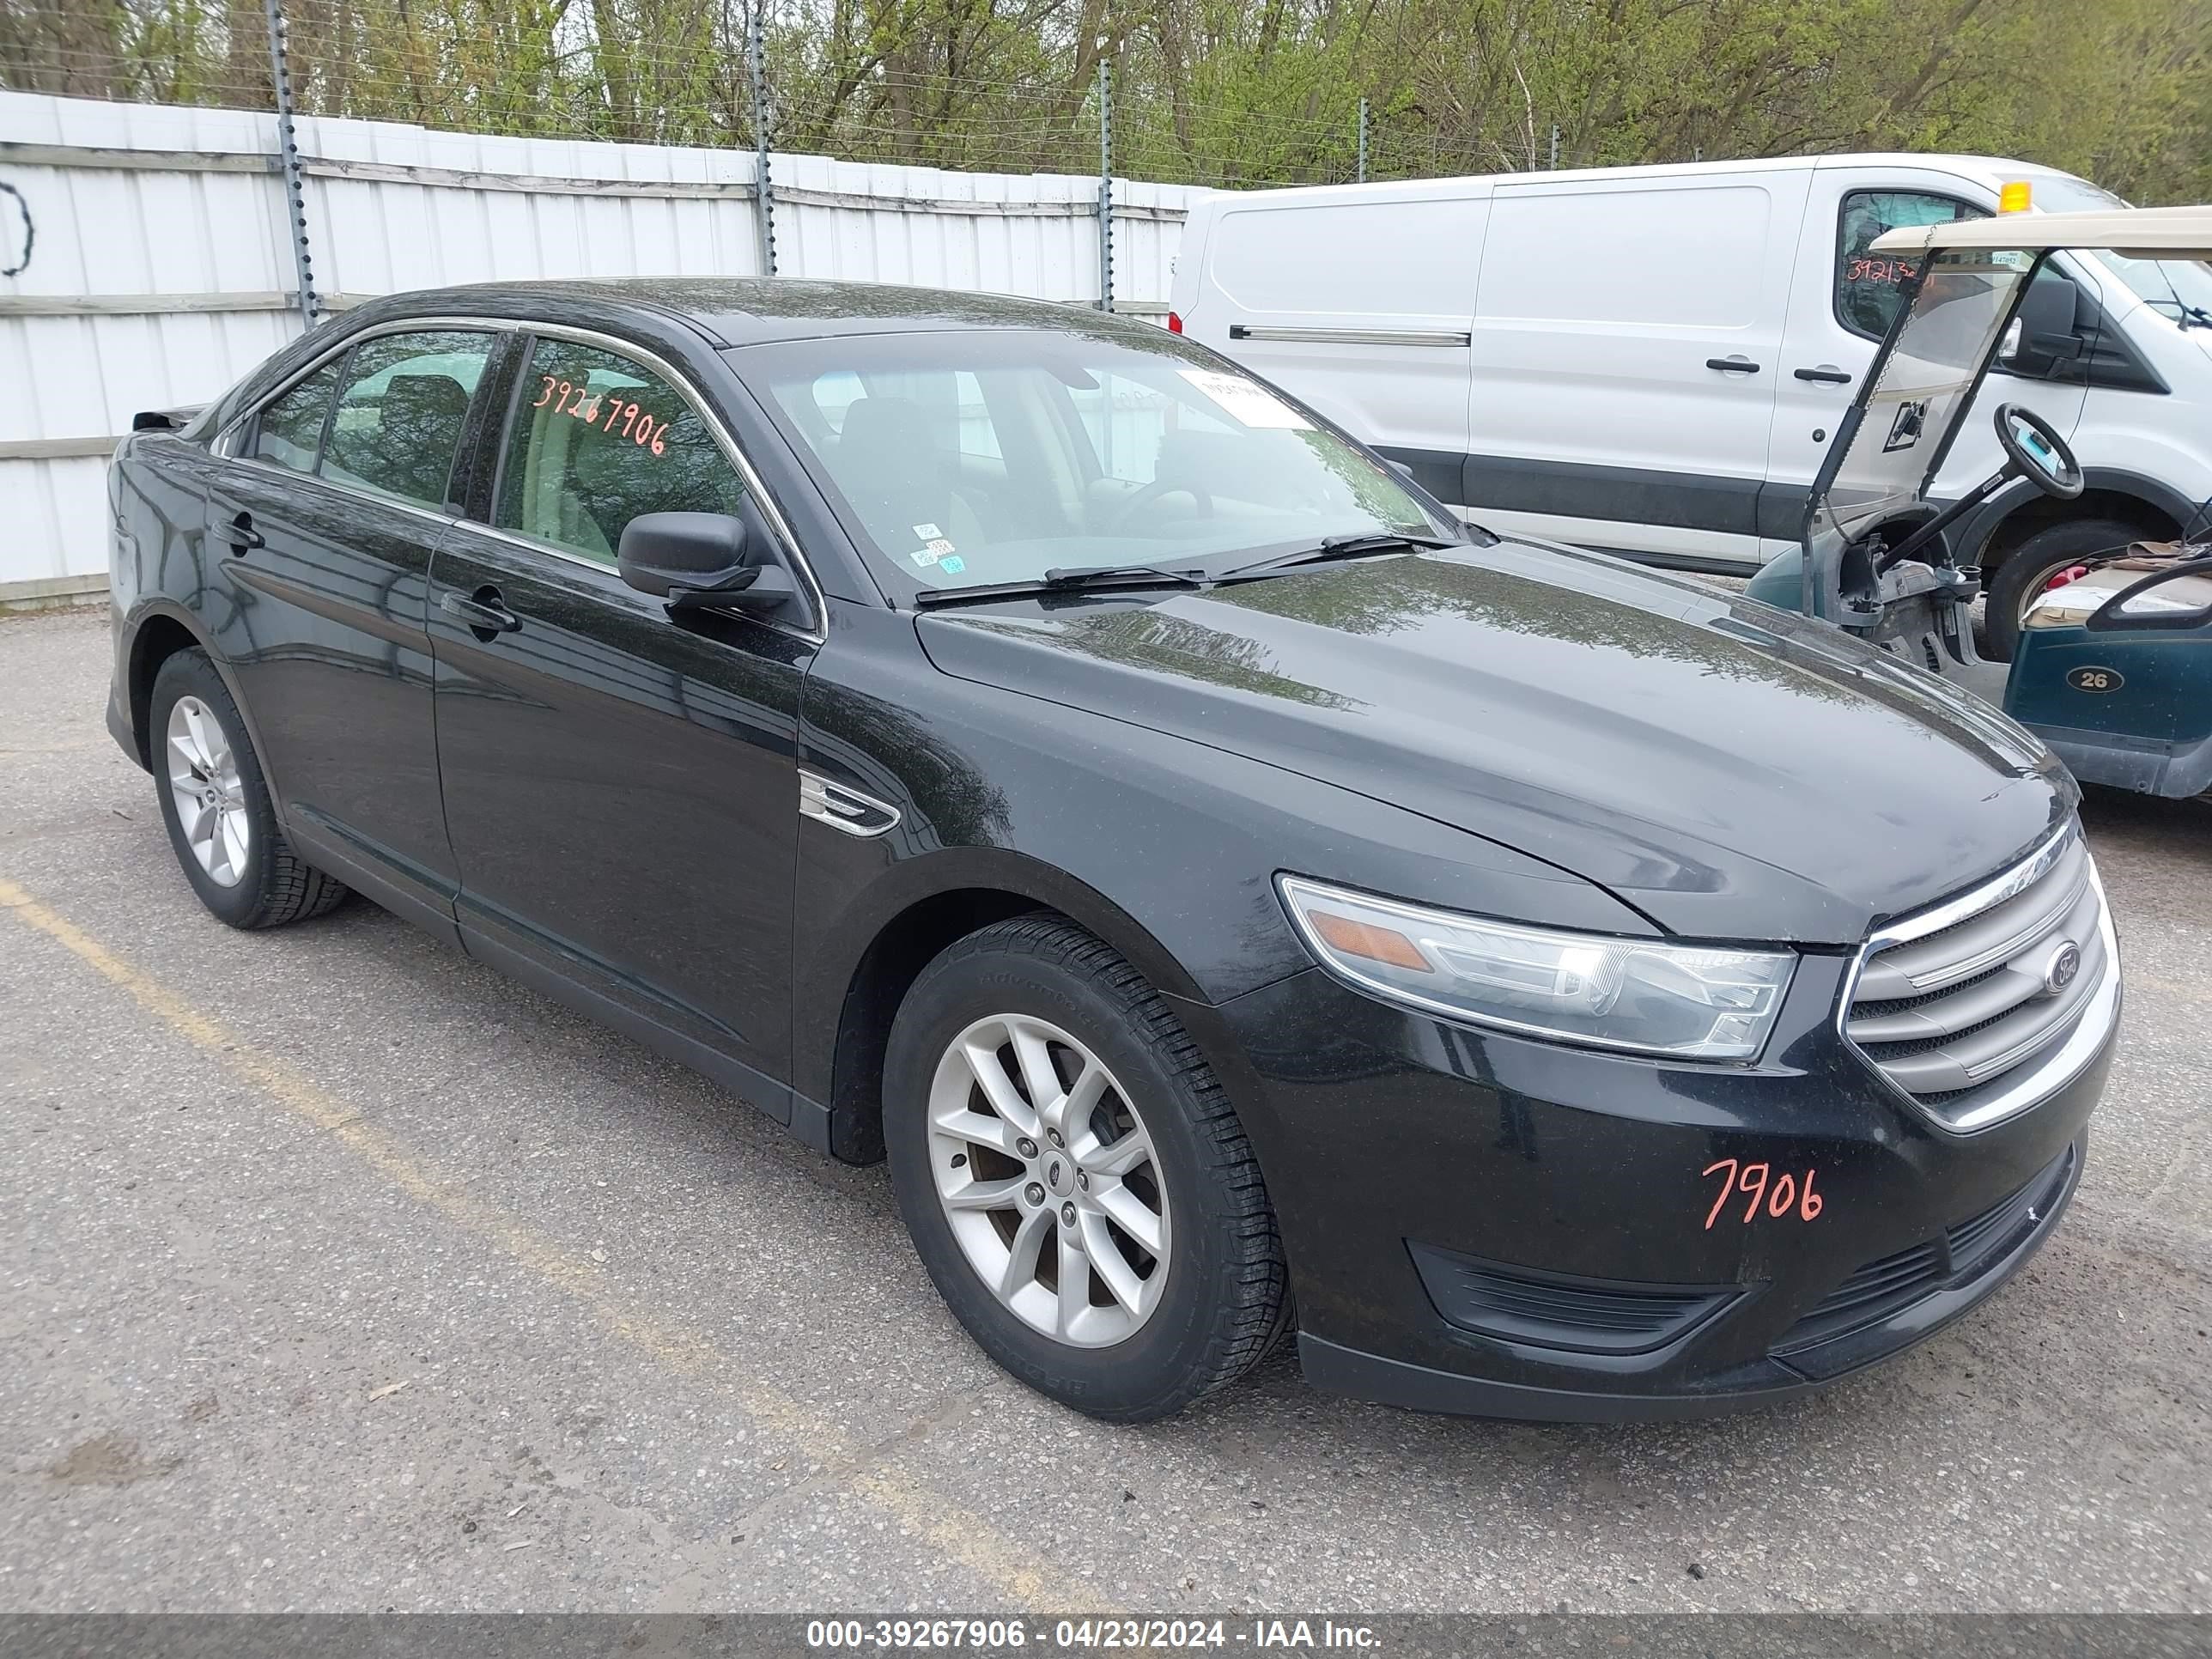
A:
<point x="1966" y="1010"/>
<point x="1514" y="1304"/>
<point x="1895" y="1282"/>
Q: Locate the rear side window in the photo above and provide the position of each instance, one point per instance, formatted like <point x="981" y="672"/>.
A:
<point x="1869" y="285"/>
<point x="400" y="414"/>
<point x="289" y="433"/>
<point x="597" y="440"/>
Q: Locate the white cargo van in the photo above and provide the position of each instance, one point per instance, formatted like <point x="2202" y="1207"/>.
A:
<point x="1651" y="360"/>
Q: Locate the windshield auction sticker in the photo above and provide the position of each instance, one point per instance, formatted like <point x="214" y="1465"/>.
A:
<point x="1250" y="404"/>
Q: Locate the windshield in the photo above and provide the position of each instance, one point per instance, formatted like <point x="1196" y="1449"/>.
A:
<point x="1924" y="383"/>
<point x="980" y="456"/>
<point x="2178" y="289"/>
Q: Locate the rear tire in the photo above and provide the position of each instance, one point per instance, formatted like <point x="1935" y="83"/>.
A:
<point x="2028" y="568"/>
<point x="1144" y="1331"/>
<point x="223" y="825"/>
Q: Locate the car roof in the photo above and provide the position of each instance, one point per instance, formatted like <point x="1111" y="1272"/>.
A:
<point x="742" y="311"/>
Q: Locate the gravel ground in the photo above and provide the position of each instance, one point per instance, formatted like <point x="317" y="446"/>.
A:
<point x="337" y="1271"/>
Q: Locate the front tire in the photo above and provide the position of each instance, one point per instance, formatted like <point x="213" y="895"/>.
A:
<point x="1074" y="1178"/>
<point x="2028" y="568"/>
<point x="223" y="825"/>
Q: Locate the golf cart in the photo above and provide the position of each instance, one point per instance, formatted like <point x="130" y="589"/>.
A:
<point x="2113" y="667"/>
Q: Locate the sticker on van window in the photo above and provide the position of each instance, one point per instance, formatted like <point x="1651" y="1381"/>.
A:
<point x="953" y="566"/>
<point x="923" y="556"/>
<point x="927" y="532"/>
<point x="940" y="547"/>
<point x="1249" y="403"/>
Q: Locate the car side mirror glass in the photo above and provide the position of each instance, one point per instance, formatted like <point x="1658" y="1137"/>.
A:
<point x="694" y="560"/>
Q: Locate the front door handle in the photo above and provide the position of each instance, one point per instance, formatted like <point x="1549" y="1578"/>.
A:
<point x="1825" y="374"/>
<point x="485" y="611"/>
<point x="240" y="532"/>
<point x="1737" y="364"/>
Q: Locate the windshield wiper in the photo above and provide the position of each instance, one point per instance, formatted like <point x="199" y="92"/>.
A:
<point x="2193" y="316"/>
<point x="1066" y="578"/>
<point x="1346" y="547"/>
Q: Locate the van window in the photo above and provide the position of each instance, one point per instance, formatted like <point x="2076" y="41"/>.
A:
<point x="1350" y="258"/>
<point x="1687" y="257"/>
<point x="1868" y="285"/>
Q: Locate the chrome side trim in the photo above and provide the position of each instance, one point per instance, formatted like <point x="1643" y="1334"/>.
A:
<point x="843" y="809"/>
<point x="2069" y="1060"/>
<point x="1390" y="336"/>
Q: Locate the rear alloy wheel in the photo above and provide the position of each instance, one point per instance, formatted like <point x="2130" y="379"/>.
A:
<point x="221" y="823"/>
<point x="1074" y="1177"/>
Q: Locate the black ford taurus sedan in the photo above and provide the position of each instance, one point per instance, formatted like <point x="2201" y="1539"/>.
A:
<point x="1234" y="897"/>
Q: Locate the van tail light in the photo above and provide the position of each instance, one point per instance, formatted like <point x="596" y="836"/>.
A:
<point x="1174" y="324"/>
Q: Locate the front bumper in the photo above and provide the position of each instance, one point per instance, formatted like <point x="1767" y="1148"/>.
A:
<point x="1479" y="1223"/>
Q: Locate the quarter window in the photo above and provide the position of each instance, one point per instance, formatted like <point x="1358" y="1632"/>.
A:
<point x="597" y="440"/>
<point x="289" y="433"/>
<point x="399" y="418"/>
<point x="1869" y="285"/>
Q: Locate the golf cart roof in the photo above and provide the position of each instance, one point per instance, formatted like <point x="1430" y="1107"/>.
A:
<point x="2171" y="233"/>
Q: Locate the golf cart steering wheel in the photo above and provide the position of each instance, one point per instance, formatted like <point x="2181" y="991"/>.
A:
<point x="2037" y="452"/>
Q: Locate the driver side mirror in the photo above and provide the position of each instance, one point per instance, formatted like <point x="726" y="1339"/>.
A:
<point x="2041" y="336"/>
<point x="698" y="560"/>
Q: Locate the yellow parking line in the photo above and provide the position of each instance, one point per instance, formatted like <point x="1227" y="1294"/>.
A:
<point x="958" y="1534"/>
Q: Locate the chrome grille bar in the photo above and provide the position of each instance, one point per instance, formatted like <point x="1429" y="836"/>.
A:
<point x="1980" y="1007"/>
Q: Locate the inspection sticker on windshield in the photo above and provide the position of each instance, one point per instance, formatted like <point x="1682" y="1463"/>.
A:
<point x="1251" y="404"/>
<point x="927" y="532"/>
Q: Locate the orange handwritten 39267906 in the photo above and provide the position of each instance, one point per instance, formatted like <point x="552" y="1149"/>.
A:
<point x="1782" y="1196"/>
<point x="639" y="426"/>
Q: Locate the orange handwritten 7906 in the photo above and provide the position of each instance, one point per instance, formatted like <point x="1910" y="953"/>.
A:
<point x="1783" y="1195"/>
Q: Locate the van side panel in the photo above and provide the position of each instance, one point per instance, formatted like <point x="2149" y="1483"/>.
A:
<point x="1624" y="355"/>
<point x="1359" y="306"/>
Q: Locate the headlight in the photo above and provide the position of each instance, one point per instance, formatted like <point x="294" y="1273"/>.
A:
<point x="1692" y="1001"/>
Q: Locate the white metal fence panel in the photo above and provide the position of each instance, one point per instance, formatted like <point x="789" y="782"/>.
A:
<point x="162" y="270"/>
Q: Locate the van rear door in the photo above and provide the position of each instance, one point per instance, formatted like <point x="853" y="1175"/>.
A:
<point x="1355" y="300"/>
<point x="1624" y="356"/>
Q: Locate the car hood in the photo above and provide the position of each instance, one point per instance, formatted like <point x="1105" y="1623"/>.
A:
<point x="1731" y="770"/>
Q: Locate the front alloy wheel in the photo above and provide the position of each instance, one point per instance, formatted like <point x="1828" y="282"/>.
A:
<point x="1048" y="1180"/>
<point x="1074" y="1177"/>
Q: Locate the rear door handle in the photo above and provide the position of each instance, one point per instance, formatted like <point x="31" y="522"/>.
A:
<point x="1738" y="364"/>
<point x="1825" y="374"/>
<point x="485" y="611"/>
<point x="240" y="532"/>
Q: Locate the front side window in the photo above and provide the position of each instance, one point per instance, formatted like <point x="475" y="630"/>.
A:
<point x="289" y="433"/>
<point x="598" y="439"/>
<point x="1868" y="284"/>
<point x="400" y="417"/>
<point x="992" y="455"/>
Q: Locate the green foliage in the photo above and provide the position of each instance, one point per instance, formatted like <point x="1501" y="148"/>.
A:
<point x="1210" y="91"/>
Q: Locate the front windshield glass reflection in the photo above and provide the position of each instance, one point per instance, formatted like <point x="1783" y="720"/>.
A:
<point x="1925" y="382"/>
<point x="969" y="457"/>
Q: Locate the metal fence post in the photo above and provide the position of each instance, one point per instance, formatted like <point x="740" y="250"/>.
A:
<point x="1555" y="146"/>
<point x="1363" y="141"/>
<point x="288" y="156"/>
<point x="1105" y="185"/>
<point x="763" y="187"/>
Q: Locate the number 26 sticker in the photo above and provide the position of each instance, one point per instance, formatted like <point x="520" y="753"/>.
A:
<point x="1782" y="1196"/>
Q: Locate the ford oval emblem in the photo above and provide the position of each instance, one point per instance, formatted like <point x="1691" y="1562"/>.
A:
<point x="2089" y="677"/>
<point x="2059" y="972"/>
